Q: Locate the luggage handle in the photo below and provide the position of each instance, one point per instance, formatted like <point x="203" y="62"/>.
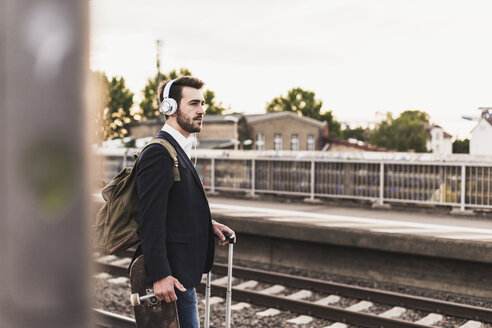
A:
<point x="229" y="237"/>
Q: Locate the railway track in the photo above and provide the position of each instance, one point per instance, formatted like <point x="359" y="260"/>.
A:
<point x="324" y="308"/>
<point x="106" y="319"/>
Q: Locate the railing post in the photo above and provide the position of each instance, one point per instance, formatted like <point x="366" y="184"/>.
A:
<point x="212" y="177"/>
<point x="463" y="187"/>
<point x="253" y="176"/>
<point x="312" y="181"/>
<point x="381" y="184"/>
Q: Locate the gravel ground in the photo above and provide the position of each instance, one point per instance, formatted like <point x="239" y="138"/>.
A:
<point x="112" y="294"/>
<point x="112" y="297"/>
<point x="413" y="315"/>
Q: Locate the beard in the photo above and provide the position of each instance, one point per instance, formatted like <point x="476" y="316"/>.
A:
<point x="186" y="123"/>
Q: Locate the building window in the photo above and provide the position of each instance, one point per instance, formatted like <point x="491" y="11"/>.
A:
<point x="294" y="142"/>
<point x="310" y="142"/>
<point x="260" y="141"/>
<point x="277" y="141"/>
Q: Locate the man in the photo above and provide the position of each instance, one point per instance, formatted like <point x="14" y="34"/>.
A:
<point x="175" y="227"/>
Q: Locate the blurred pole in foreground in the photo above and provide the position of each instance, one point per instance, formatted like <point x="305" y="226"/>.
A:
<point x="43" y="179"/>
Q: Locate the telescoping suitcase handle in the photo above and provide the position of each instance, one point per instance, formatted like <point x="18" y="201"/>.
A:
<point x="230" y="239"/>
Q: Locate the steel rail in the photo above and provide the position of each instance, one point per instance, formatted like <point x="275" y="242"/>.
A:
<point x="108" y="319"/>
<point x="385" y="297"/>
<point x="321" y="311"/>
<point x="327" y="312"/>
<point x="115" y="270"/>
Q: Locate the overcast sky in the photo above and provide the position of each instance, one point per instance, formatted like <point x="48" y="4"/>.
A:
<point x="359" y="56"/>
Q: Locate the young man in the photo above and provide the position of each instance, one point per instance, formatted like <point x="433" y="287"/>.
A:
<point x="175" y="226"/>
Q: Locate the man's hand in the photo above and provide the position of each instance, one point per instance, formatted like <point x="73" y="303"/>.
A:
<point x="164" y="289"/>
<point x="219" y="228"/>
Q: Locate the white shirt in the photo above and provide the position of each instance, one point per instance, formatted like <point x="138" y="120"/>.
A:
<point x="182" y="141"/>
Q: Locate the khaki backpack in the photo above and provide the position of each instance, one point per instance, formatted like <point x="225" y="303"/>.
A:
<point x="116" y="225"/>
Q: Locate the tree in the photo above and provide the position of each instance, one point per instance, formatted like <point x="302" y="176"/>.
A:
<point x="115" y="103"/>
<point x="210" y="106"/>
<point x="120" y="100"/>
<point x="358" y="133"/>
<point x="245" y="132"/>
<point x="334" y="127"/>
<point x="407" y="132"/>
<point x="150" y="103"/>
<point x="304" y="102"/>
<point x="461" y="146"/>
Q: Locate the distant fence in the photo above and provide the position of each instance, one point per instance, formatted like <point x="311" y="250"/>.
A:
<point x="451" y="184"/>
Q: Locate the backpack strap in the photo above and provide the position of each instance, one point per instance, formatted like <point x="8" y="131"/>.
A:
<point x="172" y="152"/>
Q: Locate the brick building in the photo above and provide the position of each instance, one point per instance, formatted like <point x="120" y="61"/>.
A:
<point x="145" y="129"/>
<point x="271" y="131"/>
<point x="284" y="131"/>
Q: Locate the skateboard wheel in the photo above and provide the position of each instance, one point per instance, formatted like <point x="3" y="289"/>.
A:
<point x="134" y="299"/>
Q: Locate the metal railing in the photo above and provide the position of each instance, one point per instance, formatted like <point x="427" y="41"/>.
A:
<point x="460" y="185"/>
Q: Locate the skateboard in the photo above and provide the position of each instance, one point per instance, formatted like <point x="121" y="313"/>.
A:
<point x="149" y="312"/>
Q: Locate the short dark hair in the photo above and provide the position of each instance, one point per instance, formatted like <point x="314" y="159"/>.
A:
<point x="177" y="87"/>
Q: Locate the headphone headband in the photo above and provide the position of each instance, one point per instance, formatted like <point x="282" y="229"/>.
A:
<point x="167" y="89"/>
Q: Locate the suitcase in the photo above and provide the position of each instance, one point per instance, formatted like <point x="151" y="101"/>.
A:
<point x="208" y="287"/>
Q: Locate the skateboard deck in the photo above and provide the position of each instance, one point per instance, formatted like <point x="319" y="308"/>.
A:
<point x="149" y="312"/>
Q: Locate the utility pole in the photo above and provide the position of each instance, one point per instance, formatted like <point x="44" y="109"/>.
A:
<point x="158" y="59"/>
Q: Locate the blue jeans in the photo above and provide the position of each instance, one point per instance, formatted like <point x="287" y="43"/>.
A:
<point x="187" y="308"/>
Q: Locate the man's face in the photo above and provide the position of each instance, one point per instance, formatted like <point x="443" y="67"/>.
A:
<point x="190" y="111"/>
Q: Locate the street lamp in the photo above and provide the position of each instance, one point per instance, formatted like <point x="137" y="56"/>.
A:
<point x="234" y="119"/>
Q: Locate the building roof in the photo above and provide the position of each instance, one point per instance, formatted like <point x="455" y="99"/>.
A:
<point x="429" y="127"/>
<point x="215" y="143"/>
<point x="160" y="120"/>
<point x="276" y="115"/>
<point x="225" y="119"/>
<point x="446" y="135"/>
<point x="357" y="145"/>
<point x="486" y="119"/>
<point x="219" y="119"/>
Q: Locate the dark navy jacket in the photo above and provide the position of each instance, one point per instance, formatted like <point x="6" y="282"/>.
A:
<point x="175" y="227"/>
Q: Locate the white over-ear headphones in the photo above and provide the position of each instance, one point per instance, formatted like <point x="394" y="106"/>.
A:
<point x="168" y="105"/>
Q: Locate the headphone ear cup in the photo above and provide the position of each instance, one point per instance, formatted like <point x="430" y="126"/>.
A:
<point x="168" y="106"/>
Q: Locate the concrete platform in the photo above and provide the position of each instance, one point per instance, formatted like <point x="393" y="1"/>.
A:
<point x="440" y="252"/>
<point x="445" y="236"/>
